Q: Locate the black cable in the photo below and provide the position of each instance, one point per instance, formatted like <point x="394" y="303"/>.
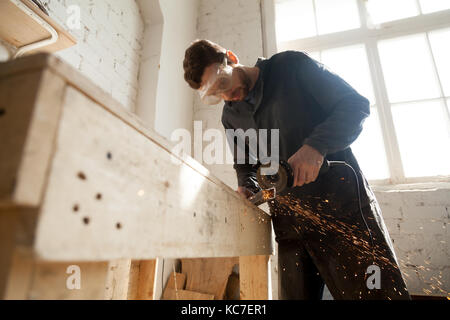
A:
<point x="337" y="163"/>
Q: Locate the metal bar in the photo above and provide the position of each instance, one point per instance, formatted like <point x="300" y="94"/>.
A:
<point x="39" y="44"/>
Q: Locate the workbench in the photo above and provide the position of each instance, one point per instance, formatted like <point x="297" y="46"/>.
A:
<point x="85" y="183"/>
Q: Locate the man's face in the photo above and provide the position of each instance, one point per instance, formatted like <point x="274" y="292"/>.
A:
<point x="240" y="83"/>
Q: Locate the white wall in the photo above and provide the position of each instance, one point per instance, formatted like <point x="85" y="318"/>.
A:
<point x="174" y="98"/>
<point x="235" y="25"/>
<point x="109" y="44"/>
<point x="165" y="101"/>
<point x="418" y="222"/>
<point x="417" y="219"/>
<point x="150" y="60"/>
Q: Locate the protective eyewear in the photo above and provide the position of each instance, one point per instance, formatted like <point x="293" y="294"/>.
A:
<point x="218" y="82"/>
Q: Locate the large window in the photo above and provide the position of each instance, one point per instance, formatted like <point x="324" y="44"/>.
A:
<point x="396" y="54"/>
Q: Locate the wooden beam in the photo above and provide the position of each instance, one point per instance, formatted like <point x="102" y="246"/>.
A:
<point x="8" y="222"/>
<point x="33" y="279"/>
<point x="31" y="104"/>
<point x="96" y="160"/>
<point x="254" y="277"/>
<point x="89" y="182"/>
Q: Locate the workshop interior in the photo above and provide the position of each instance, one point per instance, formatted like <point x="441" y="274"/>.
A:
<point x="119" y="180"/>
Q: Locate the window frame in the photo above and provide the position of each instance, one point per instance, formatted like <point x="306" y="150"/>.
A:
<point x="369" y="37"/>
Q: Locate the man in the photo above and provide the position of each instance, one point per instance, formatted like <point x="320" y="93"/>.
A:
<point x="329" y="228"/>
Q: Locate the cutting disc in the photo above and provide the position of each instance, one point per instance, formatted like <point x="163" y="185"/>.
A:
<point x="280" y="180"/>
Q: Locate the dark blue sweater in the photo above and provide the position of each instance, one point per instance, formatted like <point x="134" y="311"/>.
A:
<point x="307" y="103"/>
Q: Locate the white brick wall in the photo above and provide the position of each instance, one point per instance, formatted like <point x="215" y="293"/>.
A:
<point x="109" y="44"/>
<point x="417" y="221"/>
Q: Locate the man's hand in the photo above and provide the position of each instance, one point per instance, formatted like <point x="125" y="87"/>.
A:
<point x="305" y="163"/>
<point x="244" y="192"/>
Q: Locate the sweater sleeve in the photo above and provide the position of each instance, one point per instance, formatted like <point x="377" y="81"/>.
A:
<point x="344" y="107"/>
<point x="245" y="172"/>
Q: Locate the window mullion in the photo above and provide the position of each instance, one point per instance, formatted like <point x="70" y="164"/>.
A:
<point x="438" y="78"/>
<point x="385" y="115"/>
<point x="419" y="7"/>
<point x="362" y="9"/>
<point x="315" y="17"/>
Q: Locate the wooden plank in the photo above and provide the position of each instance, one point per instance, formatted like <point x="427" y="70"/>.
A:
<point x="31" y="104"/>
<point x="19" y="29"/>
<point x="146" y="280"/>
<point x="8" y="222"/>
<point x="124" y="197"/>
<point x="172" y="294"/>
<point x="254" y="277"/>
<point x="118" y="279"/>
<point x="208" y="275"/>
<point x="39" y="280"/>
<point x="21" y="274"/>
<point x="133" y="280"/>
<point x="17" y="227"/>
<point x="178" y="210"/>
<point x="50" y="281"/>
<point x="176" y="281"/>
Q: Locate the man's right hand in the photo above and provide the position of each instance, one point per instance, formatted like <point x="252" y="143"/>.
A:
<point x="244" y="192"/>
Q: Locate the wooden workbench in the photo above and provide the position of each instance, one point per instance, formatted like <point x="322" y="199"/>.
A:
<point x="84" y="182"/>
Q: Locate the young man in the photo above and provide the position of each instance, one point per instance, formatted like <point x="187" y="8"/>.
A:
<point x="328" y="227"/>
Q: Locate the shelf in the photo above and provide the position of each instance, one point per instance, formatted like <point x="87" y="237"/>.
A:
<point x="19" y="29"/>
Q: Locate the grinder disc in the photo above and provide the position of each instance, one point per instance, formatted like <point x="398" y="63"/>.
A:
<point x="280" y="180"/>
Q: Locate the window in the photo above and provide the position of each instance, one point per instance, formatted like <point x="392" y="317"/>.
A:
<point x="305" y="18"/>
<point x="395" y="53"/>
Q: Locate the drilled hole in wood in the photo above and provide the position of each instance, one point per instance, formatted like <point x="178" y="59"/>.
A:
<point x="109" y="155"/>
<point x="76" y="208"/>
<point x="118" y="225"/>
<point x="86" y="220"/>
<point x="226" y="220"/>
<point x="81" y="175"/>
<point x="2" y="112"/>
<point x="98" y="196"/>
<point x="195" y="214"/>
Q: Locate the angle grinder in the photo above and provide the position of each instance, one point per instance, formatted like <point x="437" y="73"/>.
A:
<point x="273" y="184"/>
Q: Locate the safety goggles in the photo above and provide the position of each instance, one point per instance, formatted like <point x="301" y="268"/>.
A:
<point x="219" y="81"/>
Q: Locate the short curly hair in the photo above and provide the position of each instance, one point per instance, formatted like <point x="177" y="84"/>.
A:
<point x="201" y="54"/>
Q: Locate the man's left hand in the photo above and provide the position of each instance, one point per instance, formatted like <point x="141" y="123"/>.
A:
<point x="305" y="163"/>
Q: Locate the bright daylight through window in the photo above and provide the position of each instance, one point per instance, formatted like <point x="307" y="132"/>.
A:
<point x="396" y="54"/>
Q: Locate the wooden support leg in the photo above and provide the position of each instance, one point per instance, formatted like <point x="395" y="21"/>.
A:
<point x="7" y="242"/>
<point x="145" y="278"/>
<point x="254" y="277"/>
<point x="131" y="279"/>
<point x="42" y="280"/>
